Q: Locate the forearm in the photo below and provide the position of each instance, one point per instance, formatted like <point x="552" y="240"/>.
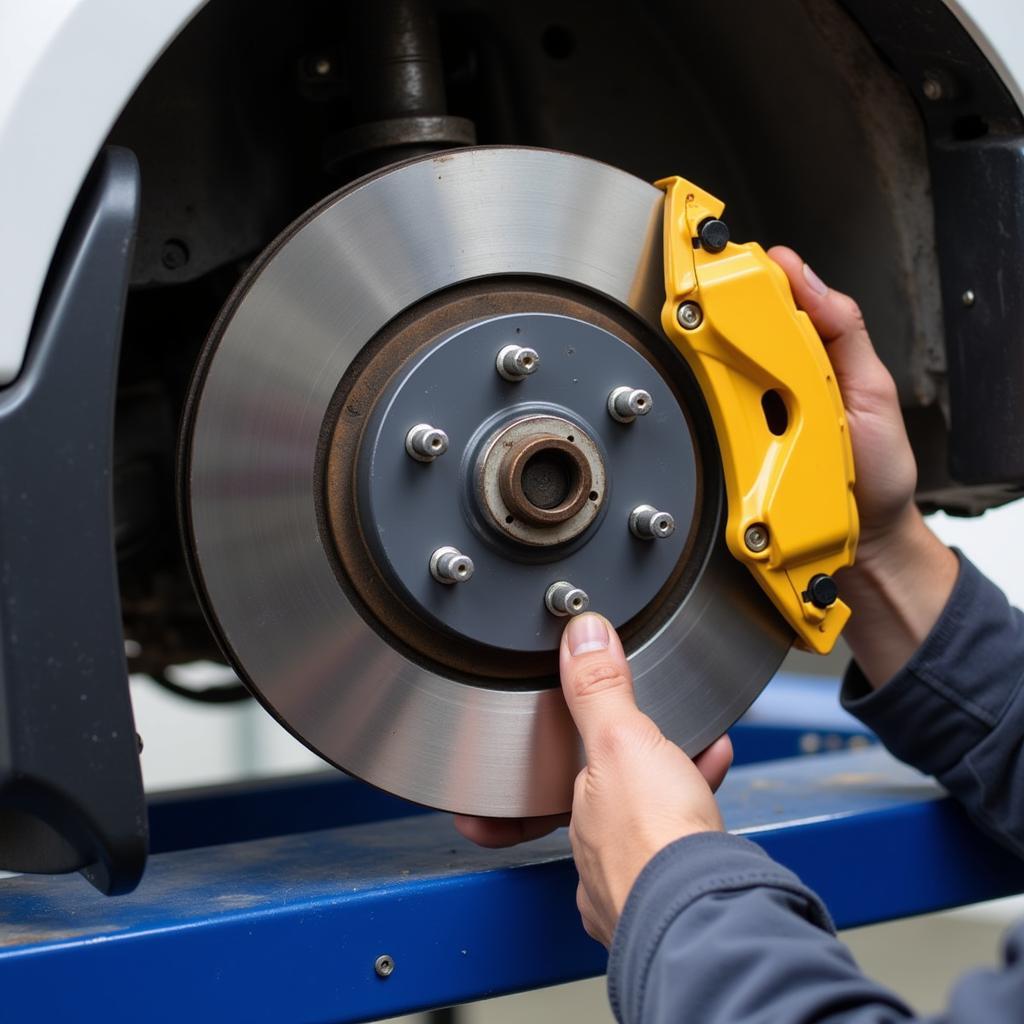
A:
<point x="955" y="709"/>
<point x="896" y="591"/>
<point x="717" y="932"/>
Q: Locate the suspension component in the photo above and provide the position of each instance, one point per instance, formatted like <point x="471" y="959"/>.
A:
<point x="398" y="96"/>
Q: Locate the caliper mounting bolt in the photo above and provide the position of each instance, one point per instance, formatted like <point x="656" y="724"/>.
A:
<point x="756" y="537"/>
<point x="515" y="362"/>
<point x="626" y="403"/>
<point x="821" y="591"/>
<point x="563" y="599"/>
<point x="689" y="315"/>
<point x="425" y="443"/>
<point x="714" y="234"/>
<point x="647" y="523"/>
<point x="450" y="565"/>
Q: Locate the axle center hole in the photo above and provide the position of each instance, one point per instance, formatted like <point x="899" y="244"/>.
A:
<point x="549" y="477"/>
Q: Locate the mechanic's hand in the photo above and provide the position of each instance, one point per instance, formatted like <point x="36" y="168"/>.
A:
<point x="897" y="555"/>
<point x="884" y="460"/>
<point x="639" y="791"/>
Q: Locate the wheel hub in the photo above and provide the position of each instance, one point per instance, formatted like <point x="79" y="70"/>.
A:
<point x="537" y="483"/>
<point x="545" y="469"/>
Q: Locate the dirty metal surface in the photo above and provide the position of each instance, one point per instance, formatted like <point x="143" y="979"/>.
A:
<point x="288" y="928"/>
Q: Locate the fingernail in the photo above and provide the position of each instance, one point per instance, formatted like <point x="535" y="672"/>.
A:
<point x="586" y="633"/>
<point x="814" y="281"/>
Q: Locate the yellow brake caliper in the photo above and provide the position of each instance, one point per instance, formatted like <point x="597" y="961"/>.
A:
<point x="776" y="408"/>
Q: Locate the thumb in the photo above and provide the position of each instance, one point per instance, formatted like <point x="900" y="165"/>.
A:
<point x="596" y="679"/>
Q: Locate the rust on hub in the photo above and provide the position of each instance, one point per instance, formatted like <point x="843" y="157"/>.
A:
<point x="545" y="480"/>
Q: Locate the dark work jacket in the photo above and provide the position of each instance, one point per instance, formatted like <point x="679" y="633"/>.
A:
<point x="715" y="932"/>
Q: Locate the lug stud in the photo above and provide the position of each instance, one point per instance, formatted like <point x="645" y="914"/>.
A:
<point x="690" y="315"/>
<point x="647" y="523"/>
<point x="450" y="565"/>
<point x="425" y="443"/>
<point x="563" y="599"/>
<point x="756" y="537"/>
<point x="626" y="403"/>
<point x="515" y="362"/>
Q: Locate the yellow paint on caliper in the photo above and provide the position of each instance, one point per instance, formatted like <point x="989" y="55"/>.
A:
<point x="788" y="467"/>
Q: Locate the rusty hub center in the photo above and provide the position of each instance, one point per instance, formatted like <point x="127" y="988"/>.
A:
<point x="541" y="480"/>
<point x="544" y="480"/>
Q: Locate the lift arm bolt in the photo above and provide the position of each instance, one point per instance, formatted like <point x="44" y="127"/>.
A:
<point x="515" y="362"/>
<point x="425" y="443"/>
<point x="647" y="523"/>
<point x="626" y="403"/>
<point x="564" y="599"/>
<point x="450" y="565"/>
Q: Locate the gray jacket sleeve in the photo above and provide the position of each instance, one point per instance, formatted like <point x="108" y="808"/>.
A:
<point x="956" y="710"/>
<point x="717" y="932"/>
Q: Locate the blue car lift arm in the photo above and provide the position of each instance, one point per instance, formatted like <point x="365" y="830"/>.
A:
<point x="288" y="928"/>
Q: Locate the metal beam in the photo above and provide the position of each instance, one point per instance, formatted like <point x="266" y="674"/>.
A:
<point x="289" y="928"/>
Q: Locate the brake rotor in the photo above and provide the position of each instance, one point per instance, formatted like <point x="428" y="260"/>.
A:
<point x="310" y="525"/>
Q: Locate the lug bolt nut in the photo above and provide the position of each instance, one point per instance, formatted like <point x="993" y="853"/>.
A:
<point x="647" y="523"/>
<point x="564" y="599"/>
<point x="625" y="404"/>
<point x="515" y="362"/>
<point x="690" y="315"/>
<point x="756" y="537"/>
<point x="450" y="565"/>
<point x="425" y="443"/>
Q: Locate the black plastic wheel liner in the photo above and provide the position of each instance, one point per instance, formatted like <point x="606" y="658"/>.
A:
<point x="71" y="794"/>
<point x="975" y="136"/>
